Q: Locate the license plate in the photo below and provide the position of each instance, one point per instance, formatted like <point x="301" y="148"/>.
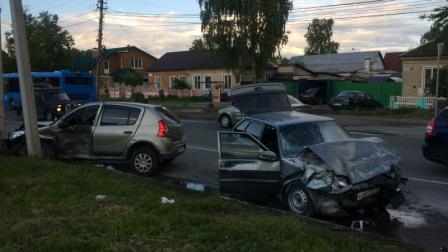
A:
<point x="364" y="194"/>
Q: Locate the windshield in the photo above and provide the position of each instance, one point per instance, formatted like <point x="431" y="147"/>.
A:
<point x="56" y="96"/>
<point x="295" y="137"/>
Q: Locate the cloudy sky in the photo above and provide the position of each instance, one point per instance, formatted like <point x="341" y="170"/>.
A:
<point x="171" y="25"/>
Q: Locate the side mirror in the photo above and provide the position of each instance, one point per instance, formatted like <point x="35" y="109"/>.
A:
<point x="268" y="156"/>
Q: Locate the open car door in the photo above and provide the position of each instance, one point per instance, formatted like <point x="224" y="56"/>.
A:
<point x="246" y="167"/>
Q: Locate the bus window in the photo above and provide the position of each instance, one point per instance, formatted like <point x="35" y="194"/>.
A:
<point x="83" y="81"/>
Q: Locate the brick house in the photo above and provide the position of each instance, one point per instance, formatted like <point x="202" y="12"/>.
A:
<point x="198" y="69"/>
<point x="420" y="67"/>
<point x="117" y="61"/>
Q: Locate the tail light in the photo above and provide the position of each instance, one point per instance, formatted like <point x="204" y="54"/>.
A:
<point x="430" y="127"/>
<point x="163" y="129"/>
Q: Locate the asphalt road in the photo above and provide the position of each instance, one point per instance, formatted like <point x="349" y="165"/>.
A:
<point x="422" y="220"/>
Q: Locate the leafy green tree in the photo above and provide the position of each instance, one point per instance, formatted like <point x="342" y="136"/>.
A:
<point x="443" y="83"/>
<point x="245" y="33"/>
<point x="180" y="84"/>
<point x="50" y="46"/>
<point x="132" y="79"/>
<point x="197" y="45"/>
<point x="9" y="63"/>
<point x="319" y="36"/>
<point x="439" y="27"/>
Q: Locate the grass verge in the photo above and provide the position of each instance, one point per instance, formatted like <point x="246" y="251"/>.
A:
<point x="52" y="206"/>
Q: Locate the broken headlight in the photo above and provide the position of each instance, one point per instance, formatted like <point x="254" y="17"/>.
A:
<point x="339" y="183"/>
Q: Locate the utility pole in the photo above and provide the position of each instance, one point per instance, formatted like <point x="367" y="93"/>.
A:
<point x="101" y="5"/>
<point x="2" y="85"/>
<point x="25" y="80"/>
<point x="436" y="101"/>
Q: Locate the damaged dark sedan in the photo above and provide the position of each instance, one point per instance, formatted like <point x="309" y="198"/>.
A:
<point x="314" y="165"/>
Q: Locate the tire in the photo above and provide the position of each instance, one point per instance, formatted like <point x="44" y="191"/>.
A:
<point x="47" y="150"/>
<point x="225" y="121"/>
<point x="144" y="161"/>
<point x="299" y="200"/>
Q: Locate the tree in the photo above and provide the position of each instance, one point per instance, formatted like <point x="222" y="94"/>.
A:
<point x="197" y="45"/>
<point x="319" y="36"/>
<point x="439" y="27"/>
<point x="49" y="45"/>
<point x="245" y="33"/>
<point x="443" y="83"/>
<point x="132" y="78"/>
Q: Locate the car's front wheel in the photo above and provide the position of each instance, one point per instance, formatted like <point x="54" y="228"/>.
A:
<point x="144" y="161"/>
<point x="299" y="199"/>
<point x="225" y="121"/>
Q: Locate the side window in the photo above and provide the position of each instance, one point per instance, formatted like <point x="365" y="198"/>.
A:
<point x="83" y="116"/>
<point x="238" y="145"/>
<point x="442" y="119"/>
<point x="242" y="126"/>
<point x="269" y="139"/>
<point x="119" y="115"/>
<point x="255" y="129"/>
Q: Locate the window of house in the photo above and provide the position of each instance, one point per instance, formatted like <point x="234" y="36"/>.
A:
<point x="429" y="74"/>
<point x="227" y="79"/>
<point x="208" y="82"/>
<point x="182" y="78"/>
<point x="106" y="66"/>
<point x="136" y="63"/>
<point x="158" y="81"/>
<point x="121" y="63"/>
<point x="197" y="82"/>
<point x="172" y="81"/>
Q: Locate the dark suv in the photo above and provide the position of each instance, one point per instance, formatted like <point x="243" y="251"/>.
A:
<point x="307" y="160"/>
<point x="435" y="147"/>
<point x="51" y="103"/>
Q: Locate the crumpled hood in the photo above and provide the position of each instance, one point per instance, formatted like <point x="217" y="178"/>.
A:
<point x="358" y="159"/>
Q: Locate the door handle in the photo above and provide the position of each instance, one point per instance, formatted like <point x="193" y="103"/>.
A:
<point x="128" y="132"/>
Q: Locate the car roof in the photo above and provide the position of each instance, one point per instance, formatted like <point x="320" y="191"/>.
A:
<point x="147" y="105"/>
<point x="256" y="88"/>
<point x="288" y="117"/>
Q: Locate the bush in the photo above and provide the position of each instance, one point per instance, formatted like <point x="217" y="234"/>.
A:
<point x="180" y="84"/>
<point x="138" y="97"/>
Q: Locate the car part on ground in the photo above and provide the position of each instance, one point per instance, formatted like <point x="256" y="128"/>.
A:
<point x="435" y="147"/>
<point x="141" y="135"/>
<point x="310" y="162"/>
<point x="357" y="100"/>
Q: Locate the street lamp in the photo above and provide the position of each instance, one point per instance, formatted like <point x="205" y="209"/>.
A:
<point x="439" y="52"/>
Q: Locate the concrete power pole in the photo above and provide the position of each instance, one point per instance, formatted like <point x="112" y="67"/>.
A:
<point x="25" y="80"/>
<point x="99" y="59"/>
<point x="2" y="85"/>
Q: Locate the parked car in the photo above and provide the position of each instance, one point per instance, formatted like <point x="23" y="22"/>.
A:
<point x="141" y="135"/>
<point x="228" y="116"/>
<point x="354" y="100"/>
<point x="51" y="103"/>
<point x="435" y="147"/>
<point x="306" y="160"/>
<point x="312" y="96"/>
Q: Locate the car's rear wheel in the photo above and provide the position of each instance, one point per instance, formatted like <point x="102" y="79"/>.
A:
<point x="299" y="199"/>
<point x="225" y="121"/>
<point x="144" y="161"/>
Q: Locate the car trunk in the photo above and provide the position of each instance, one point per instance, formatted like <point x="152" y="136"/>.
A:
<point x="174" y="124"/>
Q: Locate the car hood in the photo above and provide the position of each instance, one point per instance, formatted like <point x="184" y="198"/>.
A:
<point x="357" y="159"/>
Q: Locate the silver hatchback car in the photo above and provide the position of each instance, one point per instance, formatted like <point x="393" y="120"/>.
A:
<point x="141" y="135"/>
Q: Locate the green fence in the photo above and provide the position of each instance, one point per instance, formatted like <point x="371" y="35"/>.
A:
<point x="380" y="91"/>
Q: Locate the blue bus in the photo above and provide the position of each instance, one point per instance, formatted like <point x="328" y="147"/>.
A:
<point x="80" y="87"/>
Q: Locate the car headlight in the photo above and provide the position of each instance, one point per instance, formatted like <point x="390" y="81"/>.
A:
<point x="16" y="134"/>
<point x="339" y="183"/>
